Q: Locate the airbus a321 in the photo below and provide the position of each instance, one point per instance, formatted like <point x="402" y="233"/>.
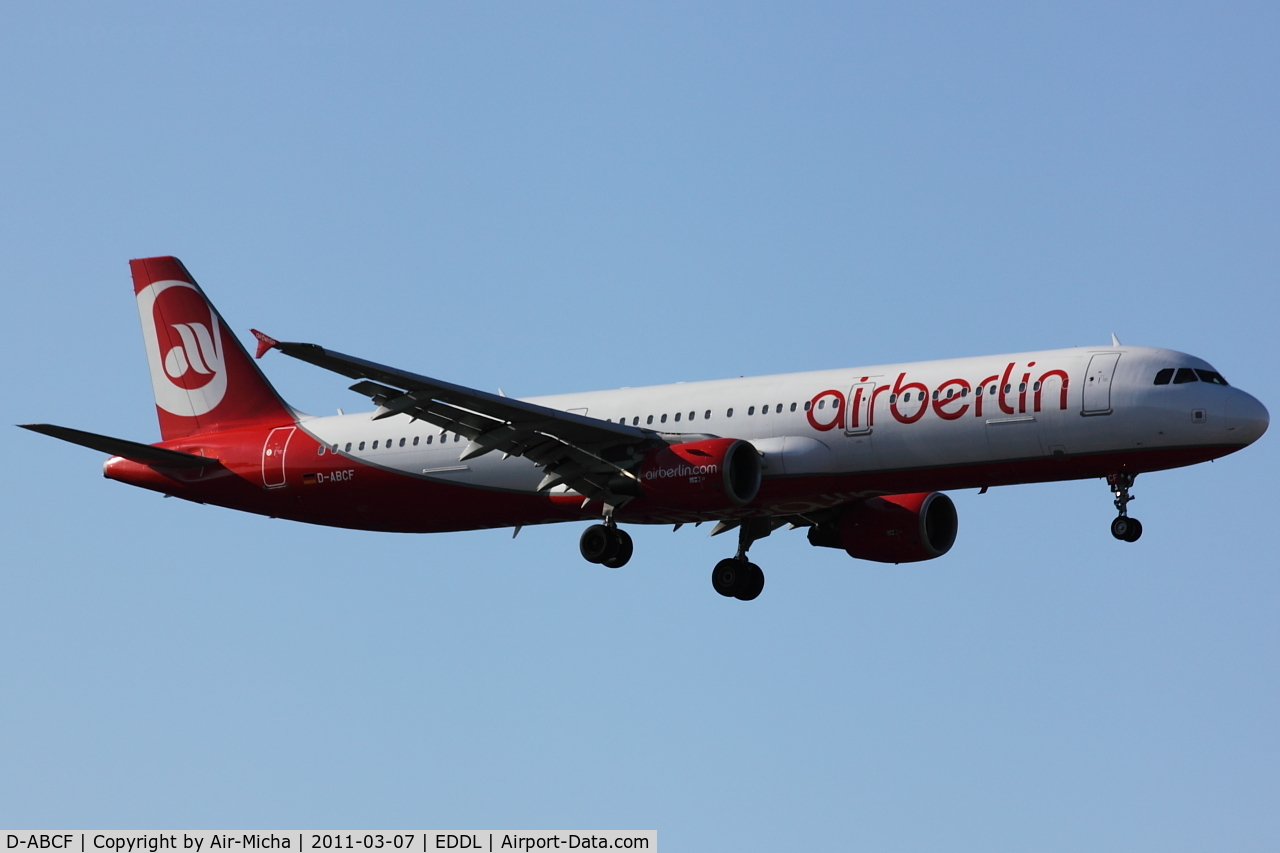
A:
<point x="859" y="457"/>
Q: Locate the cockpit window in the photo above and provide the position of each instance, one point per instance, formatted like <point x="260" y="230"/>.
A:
<point x="1184" y="375"/>
<point x="1210" y="376"/>
<point x="1163" y="377"/>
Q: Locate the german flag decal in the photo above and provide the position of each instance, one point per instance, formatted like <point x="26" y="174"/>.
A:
<point x="309" y="479"/>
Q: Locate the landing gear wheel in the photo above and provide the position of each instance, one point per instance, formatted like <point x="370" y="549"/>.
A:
<point x="726" y="575"/>
<point x="1126" y="529"/>
<point x="734" y="578"/>
<point x="625" y="548"/>
<point x="751" y="584"/>
<point x="599" y="544"/>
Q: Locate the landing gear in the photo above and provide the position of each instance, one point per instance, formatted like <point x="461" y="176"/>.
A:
<point x="625" y="548"/>
<point x="1126" y="529"/>
<point x="1123" y="527"/>
<point x="607" y="545"/>
<point x="737" y="577"/>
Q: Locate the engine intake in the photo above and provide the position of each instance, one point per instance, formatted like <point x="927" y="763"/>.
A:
<point x="893" y="528"/>
<point x="701" y="476"/>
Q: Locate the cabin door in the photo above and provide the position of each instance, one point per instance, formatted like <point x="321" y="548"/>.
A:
<point x="1097" y="384"/>
<point x="858" y="409"/>
<point x="273" y="471"/>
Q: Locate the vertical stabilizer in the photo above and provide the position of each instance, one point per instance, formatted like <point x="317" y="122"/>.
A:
<point x="202" y="377"/>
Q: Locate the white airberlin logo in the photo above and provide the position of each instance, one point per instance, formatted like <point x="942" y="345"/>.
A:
<point x="198" y="356"/>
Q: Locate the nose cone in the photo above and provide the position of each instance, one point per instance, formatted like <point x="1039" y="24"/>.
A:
<point x="1247" y="419"/>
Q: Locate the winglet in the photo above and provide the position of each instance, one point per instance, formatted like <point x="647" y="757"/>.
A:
<point x="1115" y="342"/>
<point x="266" y="342"/>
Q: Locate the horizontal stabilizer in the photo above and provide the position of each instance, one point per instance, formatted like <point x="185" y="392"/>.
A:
<point x="133" y="450"/>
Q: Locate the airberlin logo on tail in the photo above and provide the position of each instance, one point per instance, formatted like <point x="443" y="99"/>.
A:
<point x="184" y="348"/>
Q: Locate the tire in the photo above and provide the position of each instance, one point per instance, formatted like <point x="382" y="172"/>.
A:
<point x="598" y="544"/>
<point x="751" y="585"/>
<point x="1122" y="527"/>
<point x="1135" y="530"/>
<point x="625" y="549"/>
<point x="726" y="576"/>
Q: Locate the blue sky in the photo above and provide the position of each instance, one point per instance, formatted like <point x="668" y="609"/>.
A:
<point x="576" y="196"/>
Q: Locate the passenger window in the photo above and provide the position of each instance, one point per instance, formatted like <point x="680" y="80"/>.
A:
<point x="677" y="417"/>
<point x="979" y="391"/>
<point x="1163" y="376"/>
<point x="778" y="410"/>
<point x="457" y="436"/>
<point x="807" y="404"/>
<point x="729" y="413"/>
<point x="751" y="410"/>
<point x="320" y="450"/>
<point x="764" y="410"/>
<point x="1035" y="387"/>
<point x="362" y="445"/>
<point x="707" y="415"/>
<point x="429" y="438"/>
<point x="1184" y="375"/>
<point x="793" y="407"/>
<point x="348" y="447"/>
<point x="964" y="392"/>
<point x="1210" y="376"/>
<point x="1022" y="386"/>
<point x="375" y="445"/>
<point x="822" y="404"/>
<point x="935" y="395"/>
<point x="415" y="441"/>
<point x="692" y="415"/>
<point x="950" y="393"/>
<point x="402" y="442"/>
<point x="663" y="419"/>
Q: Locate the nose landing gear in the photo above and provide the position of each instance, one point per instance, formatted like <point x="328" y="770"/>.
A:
<point x="1123" y="527"/>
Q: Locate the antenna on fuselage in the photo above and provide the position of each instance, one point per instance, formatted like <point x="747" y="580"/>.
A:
<point x="1115" y="342"/>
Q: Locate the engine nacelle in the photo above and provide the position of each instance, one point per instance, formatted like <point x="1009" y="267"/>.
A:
<point x="893" y="528"/>
<point x="701" y="476"/>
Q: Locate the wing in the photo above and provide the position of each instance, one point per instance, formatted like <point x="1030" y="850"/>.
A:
<point x="593" y="457"/>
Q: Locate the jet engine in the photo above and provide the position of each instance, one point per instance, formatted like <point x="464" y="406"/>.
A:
<point x="892" y="528"/>
<point x="700" y="476"/>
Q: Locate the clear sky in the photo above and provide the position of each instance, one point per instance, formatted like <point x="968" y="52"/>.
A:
<point x="562" y="197"/>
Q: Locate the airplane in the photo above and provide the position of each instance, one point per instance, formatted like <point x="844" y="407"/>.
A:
<point x="859" y="457"/>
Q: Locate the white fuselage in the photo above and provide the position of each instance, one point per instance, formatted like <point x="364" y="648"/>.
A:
<point x="922" y="415"/>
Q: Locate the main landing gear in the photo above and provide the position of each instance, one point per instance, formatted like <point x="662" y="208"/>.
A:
<point x="606" y="544"/>
<point x="737" y="577"/>
<point x="1123" y="527"/>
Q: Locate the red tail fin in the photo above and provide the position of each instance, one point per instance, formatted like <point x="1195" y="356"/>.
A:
<point x="202" y="377"/>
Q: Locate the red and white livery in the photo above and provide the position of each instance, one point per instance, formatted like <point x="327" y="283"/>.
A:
<point x="859" y="456"/>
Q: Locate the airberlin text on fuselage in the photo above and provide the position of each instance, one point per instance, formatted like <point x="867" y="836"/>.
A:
<point x="951" y="400"/>
<point x="680" y="471"/>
